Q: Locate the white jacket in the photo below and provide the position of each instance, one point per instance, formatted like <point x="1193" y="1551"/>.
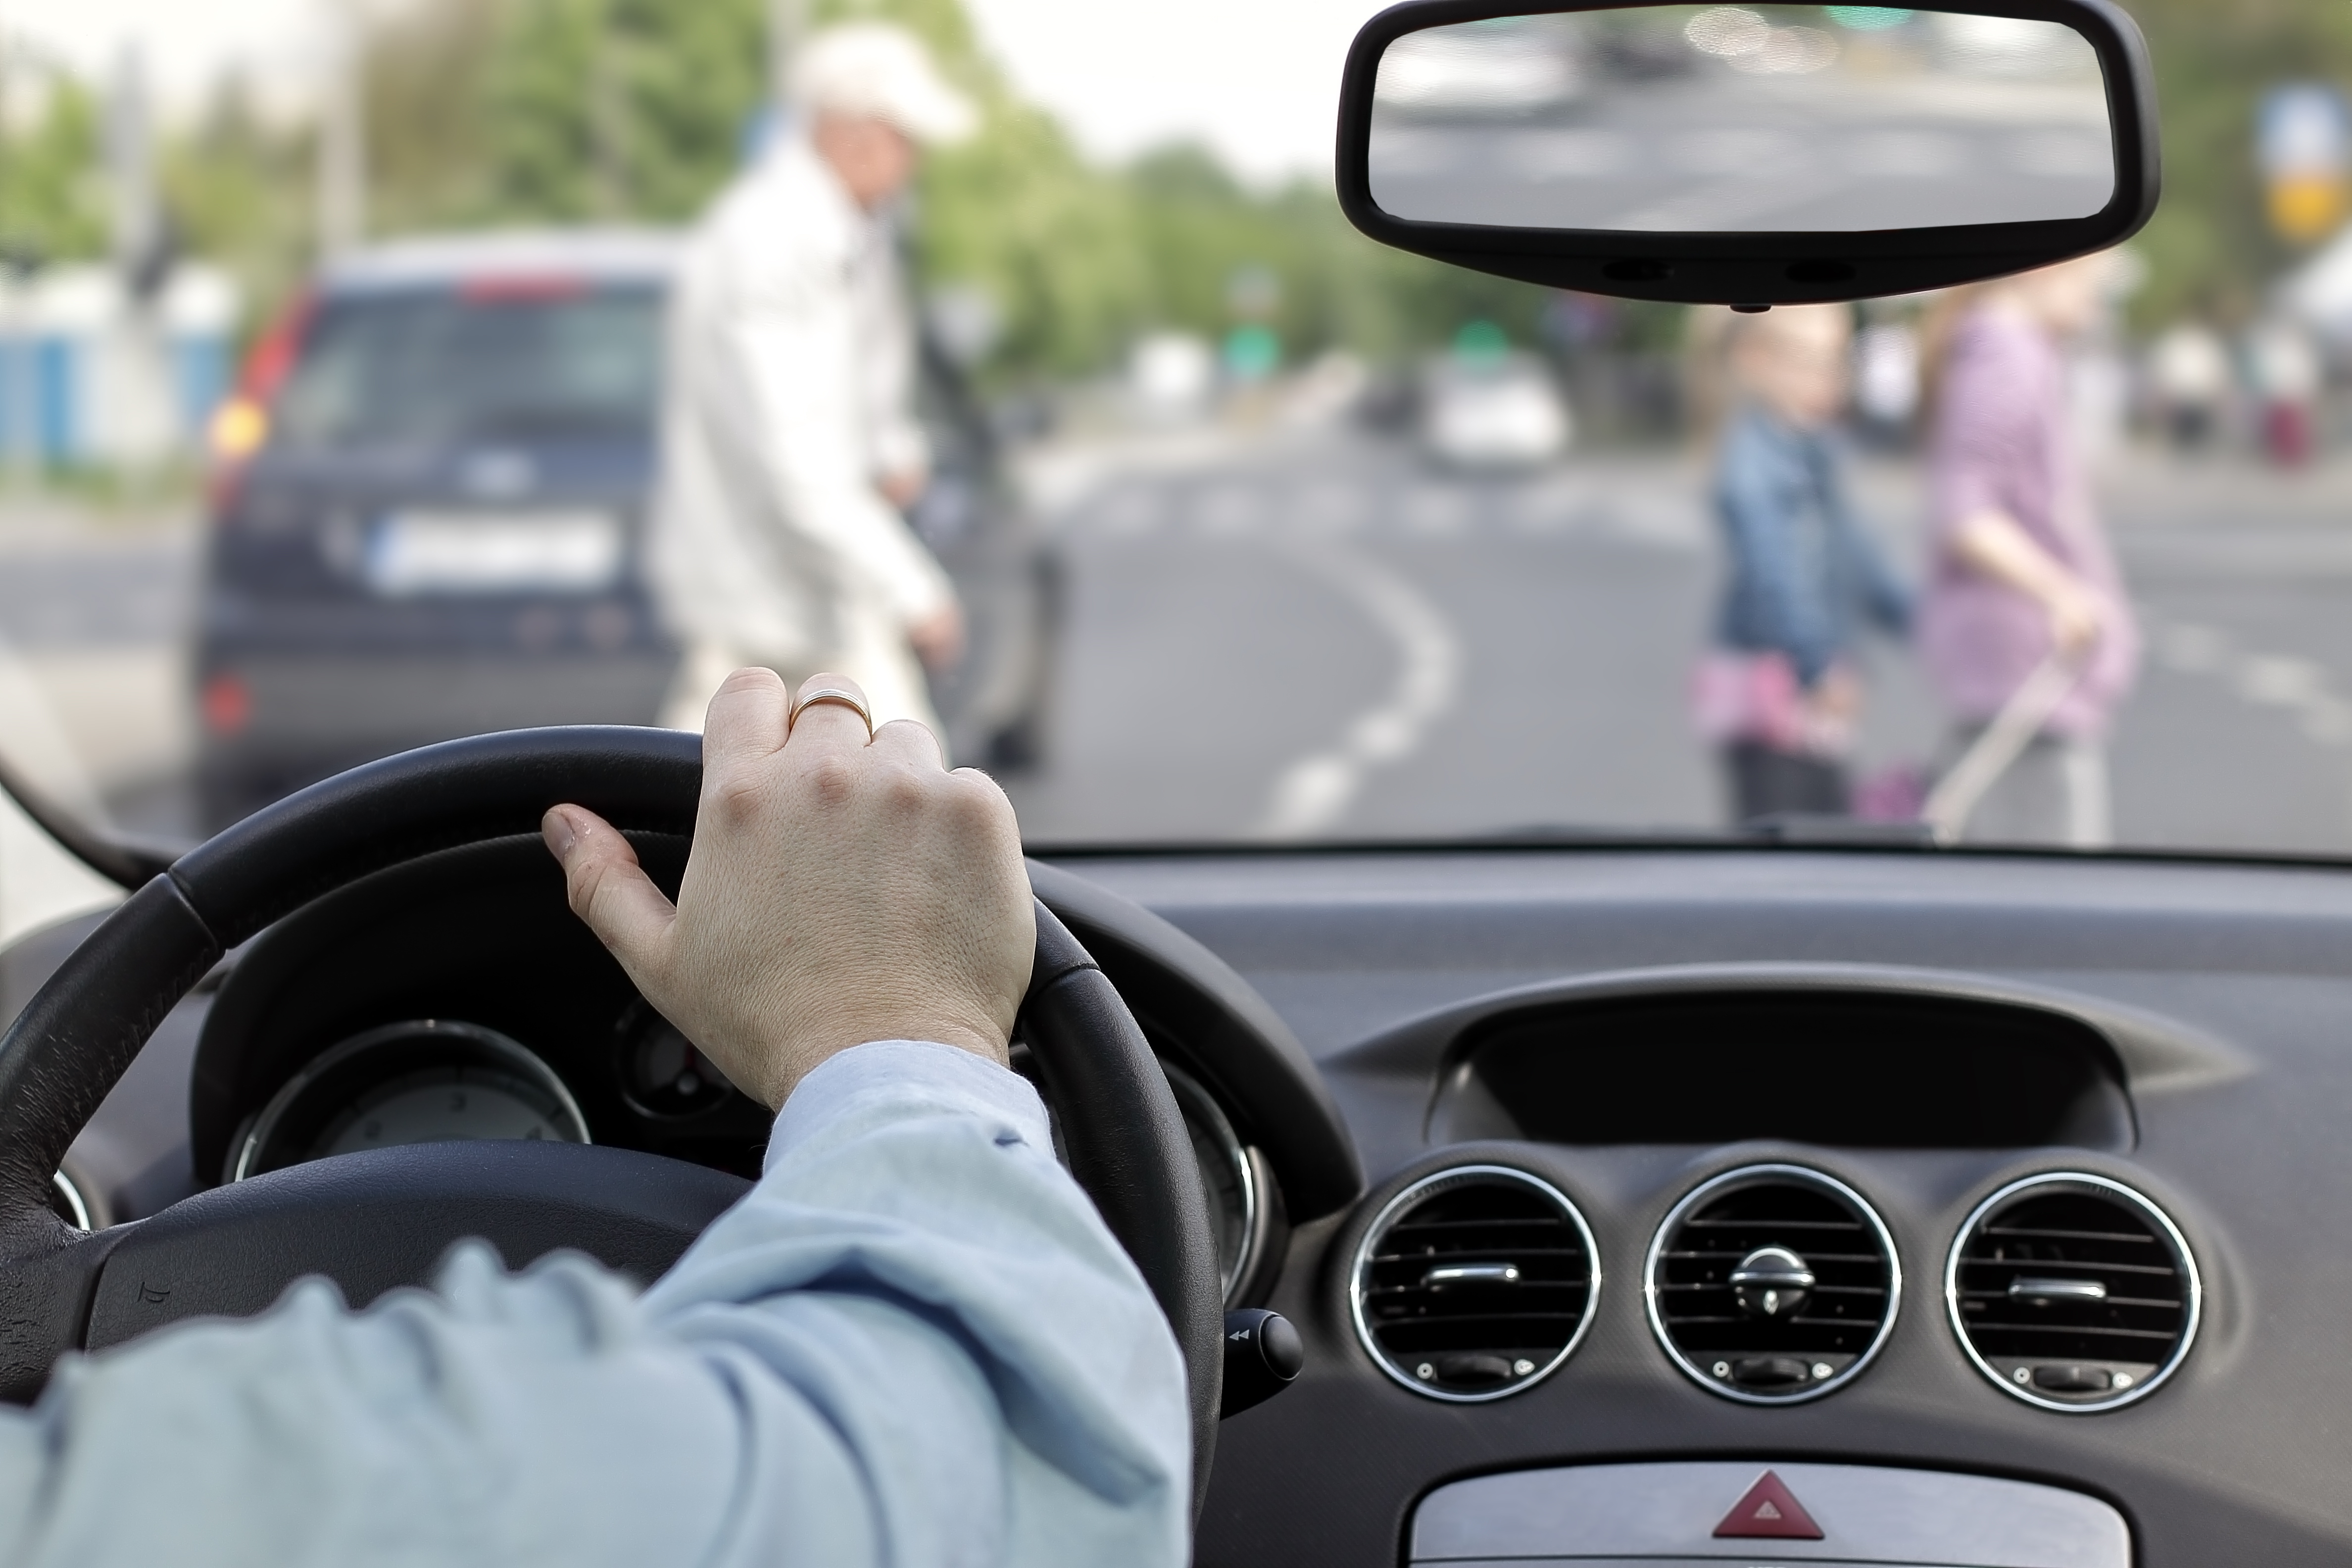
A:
<point x="790" y="384"/>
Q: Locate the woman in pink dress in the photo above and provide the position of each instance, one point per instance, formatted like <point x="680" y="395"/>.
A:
<point x="2021" y="567"/>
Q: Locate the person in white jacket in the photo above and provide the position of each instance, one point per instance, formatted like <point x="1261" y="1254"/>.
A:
<point x="788" y="437"/>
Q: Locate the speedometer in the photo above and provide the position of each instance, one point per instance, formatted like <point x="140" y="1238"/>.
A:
<point x="424" y="1081"/>
<point x="1226" y="1176"/>
<point x="438" y="1105"/>
<point x="1231" y="1174"/>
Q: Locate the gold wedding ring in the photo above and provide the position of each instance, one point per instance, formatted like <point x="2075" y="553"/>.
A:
<point x="836" y="695"/>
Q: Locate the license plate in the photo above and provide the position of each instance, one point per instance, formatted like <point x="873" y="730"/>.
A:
<point x="417" y="552"/>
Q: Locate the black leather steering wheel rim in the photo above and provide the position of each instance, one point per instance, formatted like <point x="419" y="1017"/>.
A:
<point x="1122" y="1134"/>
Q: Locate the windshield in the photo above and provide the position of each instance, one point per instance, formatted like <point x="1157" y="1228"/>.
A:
<point x="538" y="402"/>
<point x="442" y="366"/>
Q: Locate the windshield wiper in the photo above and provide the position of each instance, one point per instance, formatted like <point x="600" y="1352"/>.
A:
<point x="131" y="863"/>
<point x="1803" y="827"/>
<point x="1790" y="827"/>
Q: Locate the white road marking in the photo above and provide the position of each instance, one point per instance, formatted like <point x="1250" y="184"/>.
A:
<point x="2297" y="686"/>
<point x="1312" y="793"/>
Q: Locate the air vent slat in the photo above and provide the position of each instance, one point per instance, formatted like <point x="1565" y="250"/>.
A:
<point x="1518" y="1254"/>
<point x="2168" y="1304"/>
<point x="2087" y="1265"/>
<point x="1742" y="1338"/>
<point x="2126" y="1330"/>
<point x="2044" y="1234"/>
<point x="1816" y="1290"/>
<point x="1867" y="1260"/>
<point x="1457" y="1320"/>
<point x="2102" y="1332"/>
<point x="1451" y="1339"/>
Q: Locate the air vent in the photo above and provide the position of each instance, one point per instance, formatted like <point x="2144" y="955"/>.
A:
<point x="2073" y="1292"/>
<point x="1474" y="1283"/>
<point x="1772" y="1284"/>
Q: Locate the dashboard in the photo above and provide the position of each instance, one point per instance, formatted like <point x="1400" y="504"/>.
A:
<point x="1668" y="1206"/>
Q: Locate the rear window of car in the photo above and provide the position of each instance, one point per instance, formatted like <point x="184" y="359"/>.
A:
<point x="451" y="365"/>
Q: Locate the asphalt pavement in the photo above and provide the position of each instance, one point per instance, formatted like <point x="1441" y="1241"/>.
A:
<point x="1327" y="635"/>
<point x="1315" y="633"/>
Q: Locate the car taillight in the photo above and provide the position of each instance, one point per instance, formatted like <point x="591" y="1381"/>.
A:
<point x="225" y="704"/>
<point x="521" y="288"/>
<point x="241" y="428"/>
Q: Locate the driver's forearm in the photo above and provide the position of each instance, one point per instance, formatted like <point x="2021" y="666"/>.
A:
<point x="915" y="1336"/>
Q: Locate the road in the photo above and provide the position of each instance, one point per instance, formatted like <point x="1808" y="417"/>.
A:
<point x="1328" y="637"/>
<point x="1317" y="634"/>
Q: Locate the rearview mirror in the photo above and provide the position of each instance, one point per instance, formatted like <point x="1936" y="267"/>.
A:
<point x="1748" y="154"/>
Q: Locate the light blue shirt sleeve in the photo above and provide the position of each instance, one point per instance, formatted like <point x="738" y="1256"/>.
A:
<point x="913" y="1342"/>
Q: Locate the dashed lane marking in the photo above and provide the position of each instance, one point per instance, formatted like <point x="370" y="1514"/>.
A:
<point x="1314" y="793"/>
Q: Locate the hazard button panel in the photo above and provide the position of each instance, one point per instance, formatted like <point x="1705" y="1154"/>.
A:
<point x="1756" y="1512"/>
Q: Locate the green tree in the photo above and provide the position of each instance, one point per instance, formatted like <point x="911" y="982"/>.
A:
<point x="613" y="109"/>
<point x="238" y="188"/>
<point x="2211" y="246"/>
<point x="50" y="200"/>
<point x="515" y="111"/>
<point x="429" y="115"/>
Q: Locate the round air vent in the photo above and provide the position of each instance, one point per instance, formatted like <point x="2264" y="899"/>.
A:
<point x="1474" y="1283"/>
<point x="2073" y="1292"/>
<point x="1772" y="1284"/>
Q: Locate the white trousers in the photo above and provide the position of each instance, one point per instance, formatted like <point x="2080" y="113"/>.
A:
<point x="2055" y="794"/>
<point x="879" y="660"/>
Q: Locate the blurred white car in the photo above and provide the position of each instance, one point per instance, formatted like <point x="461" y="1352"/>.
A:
<point x="1498" y="411"/>
<point x="1505" y="67"/>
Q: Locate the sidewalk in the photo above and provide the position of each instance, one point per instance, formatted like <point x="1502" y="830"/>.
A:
<point x="94" y="606"/>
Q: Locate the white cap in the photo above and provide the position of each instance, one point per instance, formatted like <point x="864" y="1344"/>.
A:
<point x="877" y="70"/>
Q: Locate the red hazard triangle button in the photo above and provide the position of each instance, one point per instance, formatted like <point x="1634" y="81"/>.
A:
<point x="1769" y="1509"/>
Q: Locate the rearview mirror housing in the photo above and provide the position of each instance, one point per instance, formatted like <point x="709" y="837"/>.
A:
<point x="1749" y="155"/>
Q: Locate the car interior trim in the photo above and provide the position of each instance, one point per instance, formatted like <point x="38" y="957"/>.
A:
<point x="2154" y="1053"/>
<point x="1663" y="1513"/>
<point x="1233" y="1042"/>
<point x="75" y="1205"/>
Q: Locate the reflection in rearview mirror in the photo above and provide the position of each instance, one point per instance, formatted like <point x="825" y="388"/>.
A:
<point x="1746" y="119"/>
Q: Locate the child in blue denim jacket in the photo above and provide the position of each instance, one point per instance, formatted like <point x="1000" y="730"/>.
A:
<point x="1776" y="695"/>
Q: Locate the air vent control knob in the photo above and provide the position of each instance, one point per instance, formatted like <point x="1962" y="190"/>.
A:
<point x="1771" y="1282"/>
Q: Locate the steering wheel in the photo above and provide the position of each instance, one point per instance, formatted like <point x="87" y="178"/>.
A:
<point x="384" y="1218"/>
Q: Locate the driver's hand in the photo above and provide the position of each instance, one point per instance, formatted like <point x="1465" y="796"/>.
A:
<point x="838" y="892"/>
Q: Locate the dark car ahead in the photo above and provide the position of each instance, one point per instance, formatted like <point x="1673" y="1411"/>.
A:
<point x="431" y="519"/>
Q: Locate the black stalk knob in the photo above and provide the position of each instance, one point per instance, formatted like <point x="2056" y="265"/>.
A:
<point x="1263" y="1353"/>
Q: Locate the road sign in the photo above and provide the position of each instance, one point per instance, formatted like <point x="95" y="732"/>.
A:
<point x="2302" y="143"/>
